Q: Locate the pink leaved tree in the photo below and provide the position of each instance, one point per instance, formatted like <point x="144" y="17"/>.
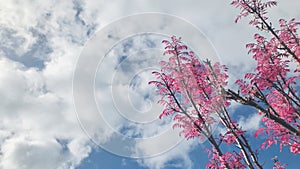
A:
<point x="193" y="93"/>
<point x="272" y="87"/>
<point x="196" y="94"/>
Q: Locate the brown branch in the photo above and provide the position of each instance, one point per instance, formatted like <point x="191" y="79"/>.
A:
<point x="236" y="97"/>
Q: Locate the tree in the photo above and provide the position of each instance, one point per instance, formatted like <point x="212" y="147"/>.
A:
<point x="271" y="88"/>
<point x="197" y="96"/>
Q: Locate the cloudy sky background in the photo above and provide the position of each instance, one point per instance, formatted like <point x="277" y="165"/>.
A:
<point x="40" y="44"/>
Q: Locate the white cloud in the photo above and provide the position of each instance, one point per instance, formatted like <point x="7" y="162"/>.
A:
<point x="179" y="152"/>
<point x="32" y="120"/>
<point x="37" y="108"/>
<point x="36" y="105"/>
<point x="251" y="123"/>
<point x="21" y="154"/>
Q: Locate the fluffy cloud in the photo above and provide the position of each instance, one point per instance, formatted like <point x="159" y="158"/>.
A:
<point x="39" y="128"/>
<point x="180" y="153"/>
<point x="251" y="123"/>
<point x="34" y="121"/>
<point x="39" y="45"/>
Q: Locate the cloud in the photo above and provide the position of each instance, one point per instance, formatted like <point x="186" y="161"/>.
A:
<point x="39" y="128"/>
<point x="30" y="30"/>
<point x="251" y="123"/>
<point x="33" y="119"/>
<point x="39" y="45"/>
<point x="177" y="157"/>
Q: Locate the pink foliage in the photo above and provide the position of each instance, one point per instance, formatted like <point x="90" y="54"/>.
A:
<point x="194" y="93"/>
<point x="184" y="79"/>
<point x="277" y="164"/>
<point x="272" y="85"/>
<point x="232" y="159"/>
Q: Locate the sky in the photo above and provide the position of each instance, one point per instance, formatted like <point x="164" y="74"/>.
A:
<point x="74" y="75"/>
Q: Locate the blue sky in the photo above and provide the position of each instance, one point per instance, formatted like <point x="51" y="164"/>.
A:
<point x="74" y="80"/>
